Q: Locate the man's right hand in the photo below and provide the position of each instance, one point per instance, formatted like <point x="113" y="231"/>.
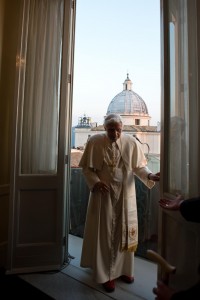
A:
<point x="171" y="204"/>
<point x="101" y="187"/>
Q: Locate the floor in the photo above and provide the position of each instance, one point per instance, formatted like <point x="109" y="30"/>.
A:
<point x="74" y="282"/>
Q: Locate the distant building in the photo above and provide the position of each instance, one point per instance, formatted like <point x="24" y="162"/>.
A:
<point x="136" y="119"/>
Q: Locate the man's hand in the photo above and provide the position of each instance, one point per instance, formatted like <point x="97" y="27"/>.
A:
<point x="171" y="204"/>
<point x="154" y="177"/>
<point x="101" y="187"/>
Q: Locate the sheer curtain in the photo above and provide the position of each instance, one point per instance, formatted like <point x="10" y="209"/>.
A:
<point x="179" y="97"/>
<point x="183" y="113"/>
<point x="40" y="89"/>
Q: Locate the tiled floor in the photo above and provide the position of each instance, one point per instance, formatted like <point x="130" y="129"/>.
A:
<point x="74" y="282"/>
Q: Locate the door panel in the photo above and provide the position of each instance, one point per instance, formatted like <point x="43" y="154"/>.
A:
<point x="37" y="234"/>
<point x="178" y="239"/>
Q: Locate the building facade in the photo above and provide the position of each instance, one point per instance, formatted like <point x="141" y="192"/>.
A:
<point x="136" y="119"/>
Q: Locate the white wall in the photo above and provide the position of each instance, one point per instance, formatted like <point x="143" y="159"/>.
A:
<point x="151" y="138"/>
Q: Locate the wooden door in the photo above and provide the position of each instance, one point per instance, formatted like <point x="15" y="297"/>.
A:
<point x="179" y="239"/>
<point x="41" y="136"/>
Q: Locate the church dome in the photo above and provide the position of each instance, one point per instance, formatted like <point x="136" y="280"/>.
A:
<point x="128" y="102"/>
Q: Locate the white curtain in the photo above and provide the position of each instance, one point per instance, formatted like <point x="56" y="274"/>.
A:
<point x="179" y="98"/>
<point x="40" y="89"/>
<point x="183" y="139"/>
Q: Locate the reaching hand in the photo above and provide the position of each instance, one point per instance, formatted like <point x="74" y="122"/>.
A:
<point x="171" y="204"/>
<point x="154" y="177"/>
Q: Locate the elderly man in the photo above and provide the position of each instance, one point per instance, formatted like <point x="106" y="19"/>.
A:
<point x="109" y="164"/>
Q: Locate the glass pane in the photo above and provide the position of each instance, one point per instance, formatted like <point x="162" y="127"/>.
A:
<point x="179" y="97"/>
<point x="40" y="89"/>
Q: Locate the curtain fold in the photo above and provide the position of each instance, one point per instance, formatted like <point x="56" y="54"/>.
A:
<point x="41" y="86"/>
<point x="179" y="98"/>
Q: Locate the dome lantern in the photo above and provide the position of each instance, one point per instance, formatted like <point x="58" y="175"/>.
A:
<point x="127" y="85"/>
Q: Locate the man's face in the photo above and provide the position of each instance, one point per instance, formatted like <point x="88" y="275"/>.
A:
<point x="114" y="131"/>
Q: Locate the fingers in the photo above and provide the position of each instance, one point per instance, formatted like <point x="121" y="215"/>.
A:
<point x="103" y="190"/>
<point x="164" y="202"/>
<point x="170" y="204"/>
<point x="101" y="187"/>
<point x="154" y="178"/>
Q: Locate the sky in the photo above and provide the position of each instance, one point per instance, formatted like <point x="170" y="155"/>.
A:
<point x="113" y="38"/>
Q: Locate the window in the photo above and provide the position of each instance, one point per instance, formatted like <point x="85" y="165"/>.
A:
<point x="137" y="121"/>
<point x="182" y="97"/>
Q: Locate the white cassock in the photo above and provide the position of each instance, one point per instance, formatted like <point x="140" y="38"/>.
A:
<point x="111" y="228"/>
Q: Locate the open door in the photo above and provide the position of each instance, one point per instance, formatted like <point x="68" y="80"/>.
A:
<point x="42" y="129"/>
<point x="180" y="147"/>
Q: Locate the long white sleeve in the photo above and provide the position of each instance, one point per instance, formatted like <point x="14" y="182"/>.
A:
<point x="91" y="177"/>
<point x="142" y="174"/>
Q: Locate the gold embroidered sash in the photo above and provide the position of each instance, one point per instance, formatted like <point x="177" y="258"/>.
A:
<point x="129" y="227"/>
